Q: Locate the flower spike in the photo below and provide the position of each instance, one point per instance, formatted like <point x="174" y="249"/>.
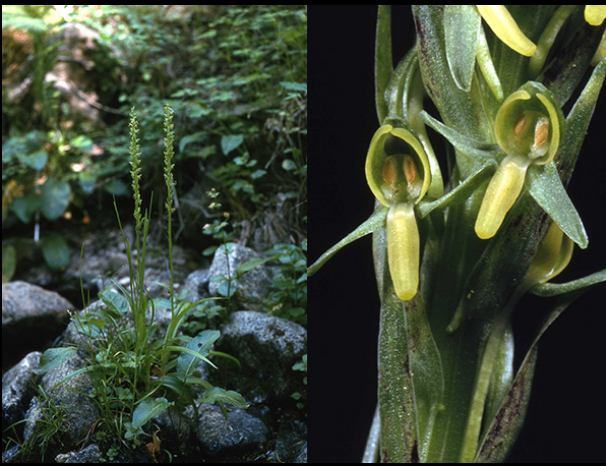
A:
<point x="505" y="28"/>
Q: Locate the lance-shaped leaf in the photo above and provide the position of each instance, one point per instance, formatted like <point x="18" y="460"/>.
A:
<point x="398" y="442"/>
<point x="508" y="421"/>
<point x="149" y="409"/>
<point x="487" y="67"/>
<point x="555" y="289"/>
<point x="547" y="189"/>
<point x="466" y="145"/>
<point x="374" y="222"/>
<point x="201" y="346"/>
<point x="577" y="121"/>
<point x="461" y="192"/>
<point x="371" y="452"/>
<point x="461" y="35"/>
<point x="54" y="357"/>
<point x="383" y="60"/>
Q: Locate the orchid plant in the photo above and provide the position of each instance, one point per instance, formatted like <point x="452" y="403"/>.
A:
<point x="138" y="374"/>
<point x="457" y="245"/>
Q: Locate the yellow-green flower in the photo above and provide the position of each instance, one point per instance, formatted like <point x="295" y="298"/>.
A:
<point x="506" y="29"/>
<point x="552" y="258"/>
<point x="398" y="173"/>
<point x="527" y="128"/>
<point x="595" y="14"/>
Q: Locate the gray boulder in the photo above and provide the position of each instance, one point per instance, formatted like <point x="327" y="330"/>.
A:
<point x="267" y="347"/>
<point x="251" y="287"/>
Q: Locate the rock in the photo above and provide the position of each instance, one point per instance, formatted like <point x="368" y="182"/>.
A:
<point x="251" y="287"/>
<point x="31" y="318"/>
<point x="29" y="306"/>
<point x="73" y="409"/>
<point x="17" y="390"/>
<point x="196" y="285"/>
<point x="239" y="438"/>
<point x="90" y="454"/>
<point x="291" y="439"/>
<point x="267" y="347"/>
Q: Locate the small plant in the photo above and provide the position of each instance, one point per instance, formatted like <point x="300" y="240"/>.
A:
<point x="301" y="398"/>
<point x="136" y="373"/>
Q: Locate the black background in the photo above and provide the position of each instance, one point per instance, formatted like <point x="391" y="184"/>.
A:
<point x="565" y="418"/>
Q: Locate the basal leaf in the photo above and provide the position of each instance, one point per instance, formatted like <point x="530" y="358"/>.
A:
<point x="148" y="409"/>
<point x="54" y="357"/>
<point x="115" y="301"/>
<point x="216" y="394"/>
<point x="187" y="363"/>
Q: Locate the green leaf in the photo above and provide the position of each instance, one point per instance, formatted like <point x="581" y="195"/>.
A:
<point x="216" y="394"/>
<point x="54" y="357"/>
<point x="114" y="301"/>
<point x="55" y="196"/>
<point x="554" y="289"/>
<point x="289" y="165"/>
<point x="25" y="207"/>
<point x="461" y="35"/>
<point x="55" y="251"/>
<point x="508" y="421"/>
<point x="383" y="60"/>
<point x="83" y="143"/>
<point x="149" y="409"/>
<point x="578" y="120"/>
<point x="374" y="222"/>
<point x="463" y="143"/>
<point x="117" y="188"/>
<point x="87" y="181"/>
<point x="36" y="160"/>
<point x="547" y="189"/>
<point x="187" y="363"/>
<point x="199" y="136"/>
<point x="461" y="192"/>
<point x="298" y="87"/>
<point x="9" y="262"/>
<point x="231" y="143"/>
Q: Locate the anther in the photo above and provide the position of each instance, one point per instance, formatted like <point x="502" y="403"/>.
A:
<point x="410" y="170"/>
<point x="520" y="125"/>
<point x="541" y="132"/>
<point x="389" y="171"/>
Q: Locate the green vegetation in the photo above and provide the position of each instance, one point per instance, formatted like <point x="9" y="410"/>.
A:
<point x="221" y="99"/>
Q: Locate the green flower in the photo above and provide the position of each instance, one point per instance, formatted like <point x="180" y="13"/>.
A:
<point x="527" y="128"/>
<point x="398" y="173"/>
<point x="595" y="14"/>
<point x="506" y="29"/>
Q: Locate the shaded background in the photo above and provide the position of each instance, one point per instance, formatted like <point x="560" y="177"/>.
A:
<point x="564" y="414"/>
